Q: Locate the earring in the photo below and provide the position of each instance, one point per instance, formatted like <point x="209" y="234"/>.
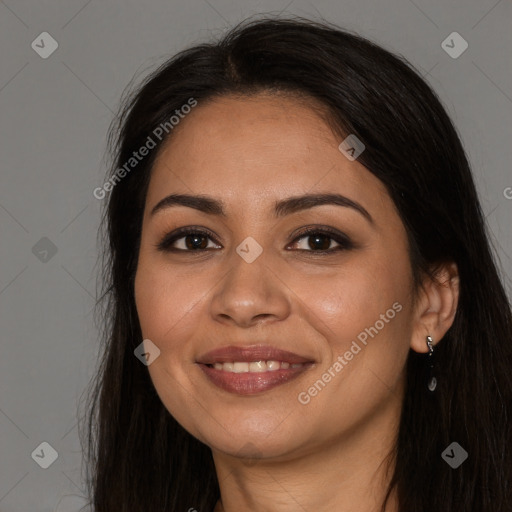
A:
<point x="432" y="381"/>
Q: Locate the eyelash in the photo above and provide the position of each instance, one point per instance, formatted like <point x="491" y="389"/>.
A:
<point x="344" y="242"/>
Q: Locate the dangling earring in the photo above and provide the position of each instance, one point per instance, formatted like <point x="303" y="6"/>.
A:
<point x="432" y="381"/>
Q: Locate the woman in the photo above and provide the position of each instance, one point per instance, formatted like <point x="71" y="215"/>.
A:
<point x="303" y="309"/>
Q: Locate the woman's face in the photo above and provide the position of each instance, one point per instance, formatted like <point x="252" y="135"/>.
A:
<point x="256" y="280"/>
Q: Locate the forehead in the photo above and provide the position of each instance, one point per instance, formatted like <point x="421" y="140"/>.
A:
<point x="250" y="149"/>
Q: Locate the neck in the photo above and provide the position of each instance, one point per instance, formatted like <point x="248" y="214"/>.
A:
<point x="350" y="473"/>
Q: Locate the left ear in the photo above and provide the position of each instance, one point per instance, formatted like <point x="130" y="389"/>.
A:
<point x="435" y="307"/>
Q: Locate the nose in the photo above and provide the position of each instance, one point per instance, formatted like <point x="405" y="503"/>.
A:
<point x="250" y="293"/>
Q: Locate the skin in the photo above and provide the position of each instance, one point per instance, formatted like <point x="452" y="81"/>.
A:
<point x="270" y="451"/>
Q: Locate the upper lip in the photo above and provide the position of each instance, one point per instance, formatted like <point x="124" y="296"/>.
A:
<point x="250" y="353"/>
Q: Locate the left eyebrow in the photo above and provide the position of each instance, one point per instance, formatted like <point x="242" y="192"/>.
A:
<point x="298" y="203"/>
<point x="213" y="206"/>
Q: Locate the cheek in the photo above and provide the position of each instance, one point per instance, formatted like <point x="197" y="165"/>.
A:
<point x="369" y="327"/>
<point x="355" y="298"/>
<point x="363" y="311"/>
<point x="168" y="307"/>
<point x="166" y="302"/>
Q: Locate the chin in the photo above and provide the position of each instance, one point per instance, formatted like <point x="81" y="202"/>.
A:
<point x="243" y="441"/>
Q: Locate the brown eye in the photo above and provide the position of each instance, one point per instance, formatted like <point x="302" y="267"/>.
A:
<point x="193" y="240"/>
<point x="319" y="240"/>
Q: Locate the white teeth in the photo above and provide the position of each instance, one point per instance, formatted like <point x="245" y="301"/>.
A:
<point x="255" y="366"/>
<point x="258" y="366"/>
<point x="240" y="367"/>
<point x="273" y="365"/>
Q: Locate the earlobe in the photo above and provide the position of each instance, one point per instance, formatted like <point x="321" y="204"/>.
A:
<point x="436" y="306"/>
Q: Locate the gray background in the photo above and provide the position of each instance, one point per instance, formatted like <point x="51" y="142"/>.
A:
<point x="54" y="117"/>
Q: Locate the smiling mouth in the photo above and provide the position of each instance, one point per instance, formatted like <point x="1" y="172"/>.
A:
<point x="251" y="369"/>
<point x="250" y="378"/>
<point x="254" y="366"/>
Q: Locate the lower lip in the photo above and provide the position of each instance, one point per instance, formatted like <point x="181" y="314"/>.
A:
<point x="250" y="383"/>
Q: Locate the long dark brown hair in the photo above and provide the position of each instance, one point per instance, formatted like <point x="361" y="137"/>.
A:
<point x="139" y="458"/>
